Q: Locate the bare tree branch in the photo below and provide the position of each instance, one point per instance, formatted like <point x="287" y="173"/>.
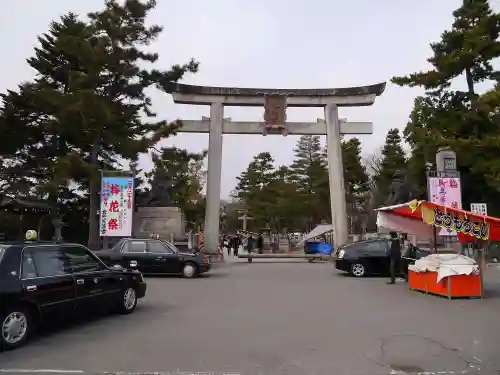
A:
<point x="373" y="163"/>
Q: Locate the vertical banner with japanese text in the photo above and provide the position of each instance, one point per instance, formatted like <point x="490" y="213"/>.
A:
<point x="117" y="206"/>
<point x="445" y="191"/>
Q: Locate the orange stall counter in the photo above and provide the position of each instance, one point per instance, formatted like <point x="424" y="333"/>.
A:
<point x="451" y="286"/>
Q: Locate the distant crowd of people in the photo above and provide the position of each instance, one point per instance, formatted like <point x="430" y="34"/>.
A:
<point x="232" y="244"/>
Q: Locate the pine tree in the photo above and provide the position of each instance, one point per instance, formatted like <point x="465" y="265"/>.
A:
<point x="139" y="183"/>
<point x="356" y="183"/>
<point x="308" y="171"/>
<point x="393" y="159"/>
<point x="283" y="210"/>
<point x="88" y="101"/>
<point x="253" y="188"/>
<point x="463" y="120"/>
<point x="177" y="165"/>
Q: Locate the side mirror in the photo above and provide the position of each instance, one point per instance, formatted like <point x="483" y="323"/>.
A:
<point x="116" y="267"/>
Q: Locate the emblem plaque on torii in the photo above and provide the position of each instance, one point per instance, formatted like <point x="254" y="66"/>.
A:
<point x="275" y="103"/>
<point x="275" y="114"/>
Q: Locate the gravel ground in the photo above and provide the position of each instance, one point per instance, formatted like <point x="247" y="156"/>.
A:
<point x="278" y="318"/>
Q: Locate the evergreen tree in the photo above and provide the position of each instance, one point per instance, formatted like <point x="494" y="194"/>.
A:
<point x="253" y="188"/>
<point x="465" y="50"/>
<point x="284" y="210"/>
<point x="87" y="107"/>
<point x="309" y="173"/>
<point x="464" y="120"/>
<point x="422" y="145"/>
<point x="141" y="191"/>
<point x="393" y="159"/>
<point x="355" y="175"/>
<point x="356" y="183"/>
<point x="177" y="164"/>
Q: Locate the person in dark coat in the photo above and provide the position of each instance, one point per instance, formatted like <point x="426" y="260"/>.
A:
<point x="395" y="257"/>
<point x="238" y="242"/>
<point x="408" y="252"/>
<point x="250" y="244"/>
<point x="235" y="243"/>
<point x="226" y="245"/>
<point x="260" y="244"/>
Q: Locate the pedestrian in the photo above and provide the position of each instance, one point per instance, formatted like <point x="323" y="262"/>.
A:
<point x="395" y="257"/>
<point x="406" y="255"/>
<point x="227" y="245"/>
<point x="260" y="244"/>
<point x="234" y="245"/>
<point x="237" y="244"/>
<point x="250" y="244"/>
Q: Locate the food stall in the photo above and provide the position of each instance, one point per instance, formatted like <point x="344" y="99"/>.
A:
<point x="451" y="275"/>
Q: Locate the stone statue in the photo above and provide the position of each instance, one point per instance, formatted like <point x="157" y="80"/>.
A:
<point x="399" y="189"/>
<point x="58" y="224"/>
<point x="160" y="194"/>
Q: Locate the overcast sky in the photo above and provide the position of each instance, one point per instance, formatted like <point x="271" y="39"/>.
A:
<point x="265" y="43"/>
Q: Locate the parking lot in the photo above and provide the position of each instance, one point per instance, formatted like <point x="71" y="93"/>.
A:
<point x="278" y="318"/>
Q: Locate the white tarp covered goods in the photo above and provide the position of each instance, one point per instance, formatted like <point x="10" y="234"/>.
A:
<point x="446" y="265"/>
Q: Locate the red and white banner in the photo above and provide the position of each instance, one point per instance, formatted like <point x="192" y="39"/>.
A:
<point x="445" y="191"/>
<point x="117" y="206"/>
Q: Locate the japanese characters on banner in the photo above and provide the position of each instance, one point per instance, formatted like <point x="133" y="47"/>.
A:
<point x="479" y="208"/>
<point x="455" y="222"/>
<point x="445" y="191"/>
<point x="117" y="206"/>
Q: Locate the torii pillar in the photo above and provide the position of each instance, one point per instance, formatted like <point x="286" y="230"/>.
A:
<point x="275" y="102"/>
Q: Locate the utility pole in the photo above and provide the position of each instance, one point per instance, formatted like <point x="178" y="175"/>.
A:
<point x="244" y="218"/>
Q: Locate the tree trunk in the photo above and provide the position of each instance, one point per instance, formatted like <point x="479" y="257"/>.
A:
<point x="94" y="242"/>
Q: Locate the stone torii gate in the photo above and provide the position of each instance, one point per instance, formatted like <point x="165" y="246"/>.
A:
<point x="275" y="102"/>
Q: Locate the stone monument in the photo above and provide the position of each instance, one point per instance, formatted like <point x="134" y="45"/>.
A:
<point x="157" y="214"/>
<point x="399" y="189"/>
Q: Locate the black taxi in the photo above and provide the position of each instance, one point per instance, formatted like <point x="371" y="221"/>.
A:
<point x="156" y="257"/>
<point x="41" y="281"/>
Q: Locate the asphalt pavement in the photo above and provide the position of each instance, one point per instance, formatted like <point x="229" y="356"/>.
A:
<point x="281" y="317"/>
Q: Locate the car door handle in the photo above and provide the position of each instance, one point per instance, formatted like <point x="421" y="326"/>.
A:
<point x="80" y="281"/>
<point x="31" y="288"/>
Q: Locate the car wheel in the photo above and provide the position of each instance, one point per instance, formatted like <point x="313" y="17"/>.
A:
<point x="189" y="270"/>
<point x="358" y="270"/>
<point x="15" y="327"/>
<point x="129" y="301"/>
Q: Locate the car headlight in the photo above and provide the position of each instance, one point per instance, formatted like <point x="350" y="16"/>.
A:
<point x="341" y="254"/>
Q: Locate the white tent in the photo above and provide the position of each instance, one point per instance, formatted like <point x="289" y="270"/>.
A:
<point x="318" y="231"/>
<point x="388" y="221"/>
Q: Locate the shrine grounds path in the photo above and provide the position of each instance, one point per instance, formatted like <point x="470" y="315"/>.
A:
<point x="290" y="318"/>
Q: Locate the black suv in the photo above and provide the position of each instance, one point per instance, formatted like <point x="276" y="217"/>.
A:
<point x="41" y="281"/>
<point x="372" y="257"/>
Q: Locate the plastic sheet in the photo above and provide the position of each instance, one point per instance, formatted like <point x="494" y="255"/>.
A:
<point x="318" y="248"/>
<point x="446" y="265"/>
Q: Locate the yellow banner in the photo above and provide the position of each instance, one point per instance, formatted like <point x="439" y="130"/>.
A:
<point x="452" y="221"/>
